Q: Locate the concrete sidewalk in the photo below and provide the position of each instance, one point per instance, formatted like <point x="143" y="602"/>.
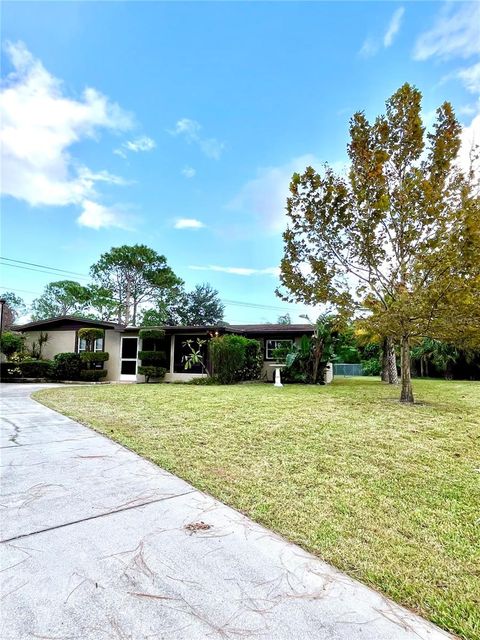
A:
<point x="98" y="543"/>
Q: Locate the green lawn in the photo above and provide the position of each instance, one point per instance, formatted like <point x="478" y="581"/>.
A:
<point x="386" y="492"/>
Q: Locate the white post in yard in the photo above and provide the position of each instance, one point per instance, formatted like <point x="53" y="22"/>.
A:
<point x="278" y="380"/>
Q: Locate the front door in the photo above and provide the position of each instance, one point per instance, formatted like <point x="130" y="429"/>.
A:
<point x="128" y="362"/>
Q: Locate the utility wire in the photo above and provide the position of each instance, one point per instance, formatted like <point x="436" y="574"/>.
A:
<point x="40" y="268"/>
<point x="43" y="266"/>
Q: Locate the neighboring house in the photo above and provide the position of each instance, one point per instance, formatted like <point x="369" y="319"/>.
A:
<point x="123" y="344"/>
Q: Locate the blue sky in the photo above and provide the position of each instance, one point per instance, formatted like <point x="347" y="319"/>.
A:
<point x="178" y="125"/>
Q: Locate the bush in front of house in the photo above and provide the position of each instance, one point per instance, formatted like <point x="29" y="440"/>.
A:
<point x="234" y="358"/>
<point x="152" y="358"/>
<point x="67" y="366"/>
<point x="150" y="371"/>
<point x="94" y="356"/>
<point x="26" y="369"/>
<point x="90" y="334"/>
<point x="92" y="361"/>
<point x="11" y="343"/>
<point x="92" y="375"/>
<point x="151" y="333"/>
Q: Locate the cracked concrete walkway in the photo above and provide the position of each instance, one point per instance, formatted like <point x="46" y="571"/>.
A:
<point x="95" y="544"/>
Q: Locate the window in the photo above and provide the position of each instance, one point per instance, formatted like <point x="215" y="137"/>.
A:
<point x="82" y="345"/>
<point x="271" y="345"/>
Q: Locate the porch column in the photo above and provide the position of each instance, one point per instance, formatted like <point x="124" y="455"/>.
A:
<point x="172" y="352"/>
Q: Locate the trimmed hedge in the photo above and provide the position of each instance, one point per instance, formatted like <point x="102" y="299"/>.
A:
<point x="152" y="372"/>
<point x="92" y="375"/>
<point x="234" y="358"/>
<point x="151" y="356"/>
<point x="152" y="333"/>
<point x="94" y="356"/>
<point x="26" y="369"/>
<point x="67" y="366"/>
<point x="90" y="334"/>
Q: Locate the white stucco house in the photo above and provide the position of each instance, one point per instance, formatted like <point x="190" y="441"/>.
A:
<point x="124" y="344"/>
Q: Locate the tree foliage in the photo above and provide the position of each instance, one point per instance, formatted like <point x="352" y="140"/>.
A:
<point x="135" y="275"/>
<point x="13" y="308"/>
<point x="61" y="298"/>
<point x="399" y="239"/>
<point x="202" y="306"/>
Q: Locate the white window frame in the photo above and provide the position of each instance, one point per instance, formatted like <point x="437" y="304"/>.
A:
<point x="278" y="341"/>
<point x="82" y="345"/>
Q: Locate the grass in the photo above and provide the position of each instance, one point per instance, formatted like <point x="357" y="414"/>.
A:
<point x="385" y="492"/>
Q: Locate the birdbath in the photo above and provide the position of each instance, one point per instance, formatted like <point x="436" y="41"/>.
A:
<point x="278" y="380"/>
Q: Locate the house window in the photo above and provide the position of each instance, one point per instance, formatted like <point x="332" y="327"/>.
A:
<point x="82" y="345"/>
<point x="271" y="345"/>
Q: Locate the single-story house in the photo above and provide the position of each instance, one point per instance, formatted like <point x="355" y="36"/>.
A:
<point x="123" y="344"/>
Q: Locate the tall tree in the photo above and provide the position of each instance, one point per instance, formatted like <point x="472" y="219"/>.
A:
<point x="202" y="306"/>
<point x="285" y="319"/>
<point x="399" y="239"/>
<point x="102" y="304"/>
<point x="13" y="308"/>
<point x="136" y="275"/>
<point x="61" y="298"/>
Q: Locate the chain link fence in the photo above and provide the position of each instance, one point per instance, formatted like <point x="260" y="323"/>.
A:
<point x="344" y="370"/>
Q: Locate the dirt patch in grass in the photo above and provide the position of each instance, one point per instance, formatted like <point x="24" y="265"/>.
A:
<point x="386" y="492"/>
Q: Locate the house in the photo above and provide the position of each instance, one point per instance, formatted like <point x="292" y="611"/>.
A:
<point x="123" y="344"/>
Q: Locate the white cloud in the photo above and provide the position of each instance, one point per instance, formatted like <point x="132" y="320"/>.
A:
<point x="189" y="172"/>
<point x="456" y="33"/>
<point x="372" y="45"/>
<point x="40" y="124"/>
<point x="97" y="216"/>
<point x="188" y="223"/>
<point x="265" y="196"/>
<point x="191" y="131"/>
<point x="239" y="271"/>
<point x="393" y="27"/>
<point x="470" y="76"/>
<point x="143" y="143"/>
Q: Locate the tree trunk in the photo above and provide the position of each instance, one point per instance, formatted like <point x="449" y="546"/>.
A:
<point x="421" y="366"/>
<point x="407" y="392"/>
<point x="391" y="362"/>
<point x="384" y="360"/>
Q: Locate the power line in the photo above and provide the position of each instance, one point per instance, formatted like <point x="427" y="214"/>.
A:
<point x="43" y="266"/>
<point x="40" y="268"/>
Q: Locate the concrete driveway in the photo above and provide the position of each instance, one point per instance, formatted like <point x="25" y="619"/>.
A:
<point x="98" y="543"/>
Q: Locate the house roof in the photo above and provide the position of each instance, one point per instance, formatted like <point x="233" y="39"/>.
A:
<point x="65" y="320"/>
<point x="271" y="328"/>
<point x="255" y="329"/>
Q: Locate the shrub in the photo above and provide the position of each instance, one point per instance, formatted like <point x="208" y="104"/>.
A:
<point x="152" y="333"/>
<point x="234" y="358"/>
<point x="152" y="372"/>
<point x="92" y="375"/>
<point x="27" y="369"/>
<point x="67" y="366"/>
<point x="94" y="356"/>
<point x="11" y="343"/>
<point x="252" y="368"/>
<point x="90" y="334"/>
<point x="371" y="367"/>
<point x="151" y="356"/>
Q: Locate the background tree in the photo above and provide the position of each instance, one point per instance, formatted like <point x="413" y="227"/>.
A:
<point x="285" y="319"/>
<point x="102" y="304"/>
<point x="202" y="306"/>
<point x="13" y="308"/>
<point x="135" y="275"/>
<point x="61" y="298"/>
<point x="399" y="240"/>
